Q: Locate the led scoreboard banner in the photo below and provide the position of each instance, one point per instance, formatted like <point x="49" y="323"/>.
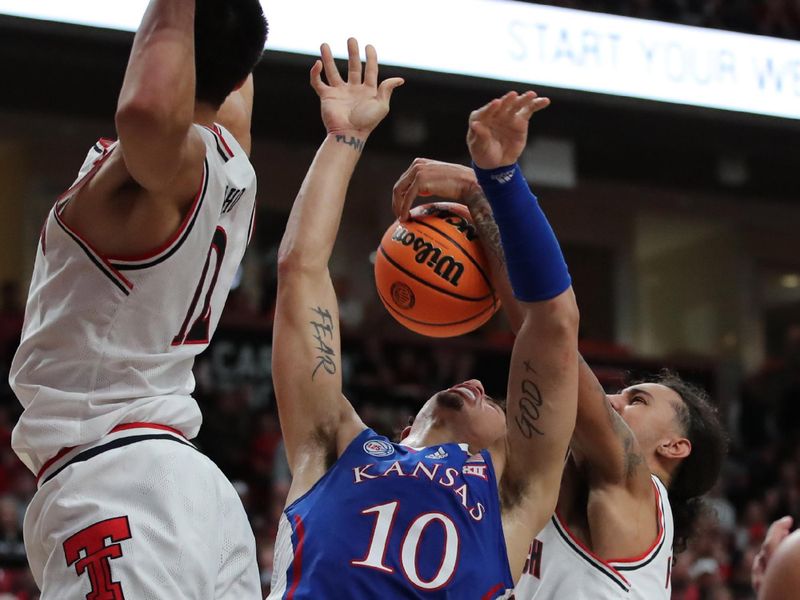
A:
<point x="517" y="42"/>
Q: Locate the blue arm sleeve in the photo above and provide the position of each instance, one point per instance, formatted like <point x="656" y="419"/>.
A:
<point x="535" y="263"/>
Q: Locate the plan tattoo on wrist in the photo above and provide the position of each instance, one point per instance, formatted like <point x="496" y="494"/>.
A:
<point x="352" y="141"/>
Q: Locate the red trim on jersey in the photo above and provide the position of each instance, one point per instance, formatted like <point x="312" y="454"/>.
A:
<point x="175" y="236"/>
<point x="43" y="237"/>
<point x="659" y="535"/>
<point x="124" y="427"/>
<point x="218" y="131"/>
<point x="98" y="162"/>
<point x="583" y="547"/>
<point x="297" y="563"/>
<point x="60" y="454"/>
<point x="252" y="221"/>
<point x="491" y="593"/>
<point x="124" y="280"/>
<point x="127" y="426"/>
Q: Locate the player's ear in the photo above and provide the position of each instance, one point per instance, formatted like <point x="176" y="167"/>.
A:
<point x="675" y="449"/>
<point x="405" y="432"/>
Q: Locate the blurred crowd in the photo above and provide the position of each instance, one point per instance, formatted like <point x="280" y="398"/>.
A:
<point x="387" y="379"/>
<point x="780" y="18"/>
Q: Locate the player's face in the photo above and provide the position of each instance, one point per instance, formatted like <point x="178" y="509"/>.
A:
<point x="472" y="415"/>
<point x="651" y="411"/>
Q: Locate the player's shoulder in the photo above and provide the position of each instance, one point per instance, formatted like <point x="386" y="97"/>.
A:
<point x="221" y="141"/>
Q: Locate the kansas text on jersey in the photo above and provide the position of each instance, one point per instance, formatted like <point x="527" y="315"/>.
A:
<point x="389" y="521"/>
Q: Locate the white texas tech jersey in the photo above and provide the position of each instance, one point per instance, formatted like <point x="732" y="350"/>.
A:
<point x="110" y="340"/>
<point x="560" y="567"/>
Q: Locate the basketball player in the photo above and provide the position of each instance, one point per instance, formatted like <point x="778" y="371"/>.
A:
<point x="639" y="460"/>
<point x="132" y="270"/>
<point x="450" y="511"/>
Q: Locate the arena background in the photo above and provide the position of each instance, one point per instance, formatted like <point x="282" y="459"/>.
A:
<point x="680" y="226"/>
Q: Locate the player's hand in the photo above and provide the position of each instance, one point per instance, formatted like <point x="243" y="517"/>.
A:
<point x="776" y="533"/>
<point x="353" y="106"/>
<point x="499" y="130"/>
<point x="427" y="177"/>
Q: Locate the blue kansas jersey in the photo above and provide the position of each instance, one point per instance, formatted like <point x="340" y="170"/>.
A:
<point x="388" y="521"/>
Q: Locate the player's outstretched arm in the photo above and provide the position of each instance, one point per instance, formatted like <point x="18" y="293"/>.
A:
<point x="156" y="104"/>
<point x="543" y="374"/>
<point x="317" y="421"/>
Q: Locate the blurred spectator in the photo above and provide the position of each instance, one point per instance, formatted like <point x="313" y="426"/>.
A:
<point x="12" y="547"/>
<point x="12" y="314"/>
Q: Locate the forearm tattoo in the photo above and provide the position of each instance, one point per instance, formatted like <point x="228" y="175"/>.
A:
<point x="529" y="404"/>
<point x="322" y="326"/>
<point x="484" y="221"/>
<point x="352" y="141"/>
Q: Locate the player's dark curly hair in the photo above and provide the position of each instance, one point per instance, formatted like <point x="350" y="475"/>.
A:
<point x="229" y="38"/>
<point x="699" y="471"/>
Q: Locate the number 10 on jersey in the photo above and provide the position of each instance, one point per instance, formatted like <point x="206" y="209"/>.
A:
<point x="384" y="515"/>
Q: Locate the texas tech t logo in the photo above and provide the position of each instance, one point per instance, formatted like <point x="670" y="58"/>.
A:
<point x="533" y="564"/>
<point x="91" y="549"/>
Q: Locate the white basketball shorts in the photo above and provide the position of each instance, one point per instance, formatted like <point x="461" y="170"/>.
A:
<point x="139" y="515"/>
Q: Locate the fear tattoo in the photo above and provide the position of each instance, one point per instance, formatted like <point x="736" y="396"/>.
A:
<point x="529" y="405"/>
<point x="322" y="326"/>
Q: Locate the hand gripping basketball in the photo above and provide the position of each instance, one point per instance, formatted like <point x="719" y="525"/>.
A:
<point x="431" y="273"/>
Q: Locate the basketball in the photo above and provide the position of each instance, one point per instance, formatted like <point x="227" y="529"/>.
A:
<point x="431" y="272"/>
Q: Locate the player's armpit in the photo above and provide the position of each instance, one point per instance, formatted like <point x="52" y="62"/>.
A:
<point x="603" y="443"/>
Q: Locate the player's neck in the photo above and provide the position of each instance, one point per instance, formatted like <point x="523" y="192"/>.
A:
<point x="660" y="471"/>
<point x="430" y="434"/>
<point x="205" y="114"/>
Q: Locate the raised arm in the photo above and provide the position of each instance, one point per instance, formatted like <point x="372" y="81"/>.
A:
<point x="317" y="421"/>
<point x="543" y="374"/>
<point x="156" y="105"/>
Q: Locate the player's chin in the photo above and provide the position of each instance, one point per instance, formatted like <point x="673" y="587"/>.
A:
<point x="451" y="400"/>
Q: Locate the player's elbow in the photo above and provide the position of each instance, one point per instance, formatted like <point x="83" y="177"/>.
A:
<point x="299" y="264"/>
<point x="555" y="320"/>
<point x="296" y="258"/>
<point x="151" y="118"/>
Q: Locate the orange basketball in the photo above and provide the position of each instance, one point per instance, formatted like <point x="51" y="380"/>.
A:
<point x="431" y="272"/>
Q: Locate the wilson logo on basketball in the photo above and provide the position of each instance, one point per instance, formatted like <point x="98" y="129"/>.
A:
<point x="446" y="267"/>
<point x="403" y="295"/>
<point x="459" y="222"/>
